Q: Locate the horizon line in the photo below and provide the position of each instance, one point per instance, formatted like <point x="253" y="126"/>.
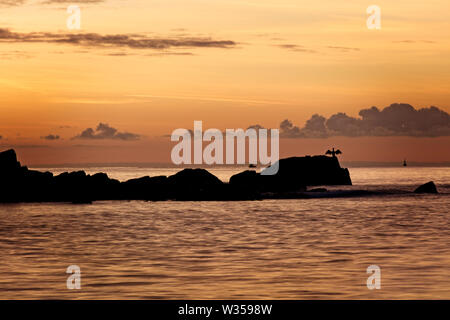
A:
<point x="355" y="163"/>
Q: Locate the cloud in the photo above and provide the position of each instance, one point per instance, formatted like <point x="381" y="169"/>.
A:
<point x="72" y="1"/>
<point x="153" y="54"/>
<point x="414" y="41"/>
<point x="288" y="130"/>
<point x="343" y="49"/>
<point x="398" y="119"/>
<point x="289" y="46"/>
<point x="256" y="127"/>
<point x="166" y="53"/>
<point x="299" y="48"/>
<point x="96" y="40"/>
<point x="11" y="3"/>
<point x="223" y="133"/>
<point x="295" y="48"/>
<point x="14" y="54"/>
<point x="50" y="137"/>
<point x="104" y="131"/>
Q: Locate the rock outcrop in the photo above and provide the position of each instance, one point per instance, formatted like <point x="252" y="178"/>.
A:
<point x="19" y="184"/>
<point x="428" y="187"/>
<point x="295" y="174"/>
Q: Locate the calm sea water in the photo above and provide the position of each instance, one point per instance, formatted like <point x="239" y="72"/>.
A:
<point x="274" y="249"/>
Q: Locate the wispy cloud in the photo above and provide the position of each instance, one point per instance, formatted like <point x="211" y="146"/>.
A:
<point x="15" y="54"/>
<point x="11" y="3"/>
<point x="414" y="41"/>
<point x="344" y="49"/>
<point x="295" y="48"/>
<point x="72" y="1"/>
<point x="299" y="48"/>
<point x="96" y="40"/>
<point x="207" y="98"/>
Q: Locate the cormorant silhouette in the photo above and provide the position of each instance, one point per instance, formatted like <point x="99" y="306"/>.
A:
<point x="333" y="152"/>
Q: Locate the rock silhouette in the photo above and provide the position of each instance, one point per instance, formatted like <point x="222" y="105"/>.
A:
<point x="295" y="174"/>
<point x="428" y="187"/>
<point x="19" y="184"/>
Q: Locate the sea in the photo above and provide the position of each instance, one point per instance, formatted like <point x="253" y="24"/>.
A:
<point x="317" y="248"/>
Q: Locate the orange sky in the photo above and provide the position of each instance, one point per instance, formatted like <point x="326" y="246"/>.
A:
<point x="289" y="60"/>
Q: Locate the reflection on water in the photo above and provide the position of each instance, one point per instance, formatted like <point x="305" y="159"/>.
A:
<point x="291" y="249"/>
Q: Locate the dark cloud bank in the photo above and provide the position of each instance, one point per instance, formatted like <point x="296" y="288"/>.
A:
<point x="133" y="41"/>
<point x="104" y="131"/>
<point x="395" y="120"/>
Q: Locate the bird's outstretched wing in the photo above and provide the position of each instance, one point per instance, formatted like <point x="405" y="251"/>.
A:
<point x="328" y="152"/>
<point x="338" y="151"/>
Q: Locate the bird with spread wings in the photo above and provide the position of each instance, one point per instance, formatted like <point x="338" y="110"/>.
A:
<point x="333" y="152"/>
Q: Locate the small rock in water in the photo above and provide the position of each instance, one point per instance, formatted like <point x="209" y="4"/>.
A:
<point x="428" y="187"/>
